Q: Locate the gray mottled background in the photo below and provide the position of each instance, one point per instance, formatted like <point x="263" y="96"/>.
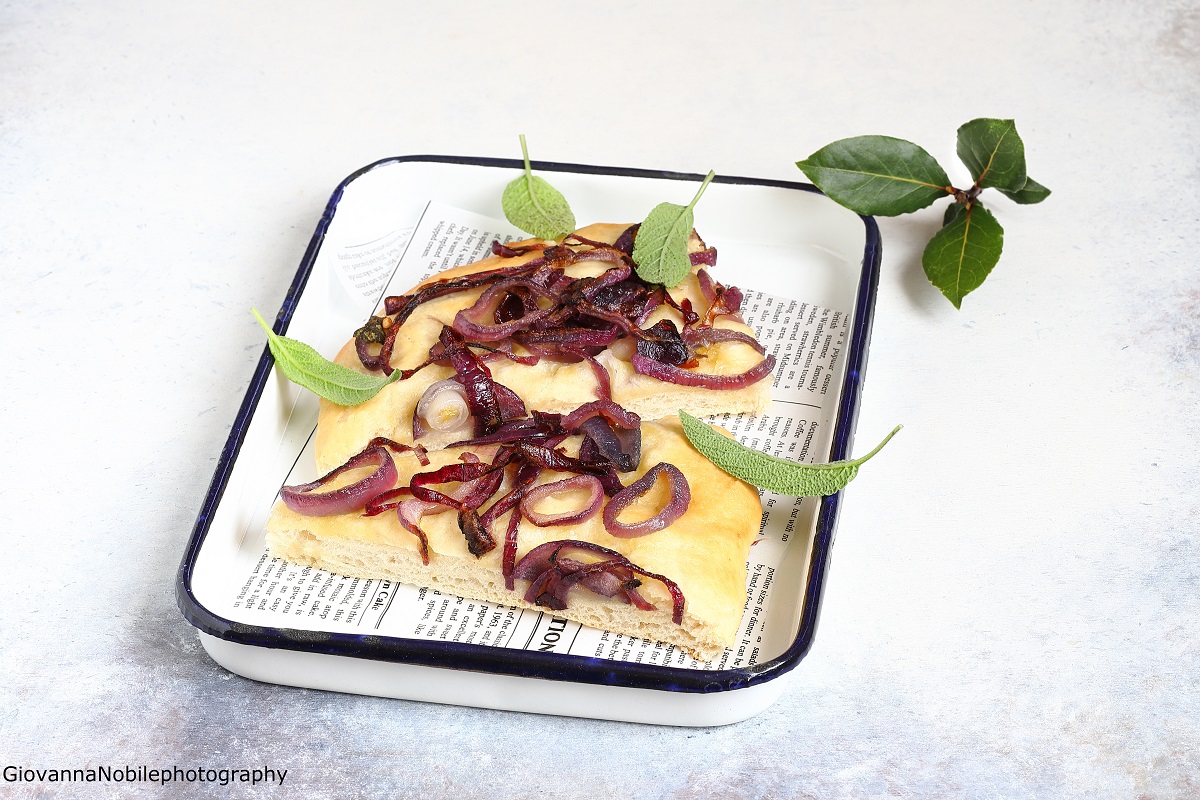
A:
<point x="1014" y="605"/>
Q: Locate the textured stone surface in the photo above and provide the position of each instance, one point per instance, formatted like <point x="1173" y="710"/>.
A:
<point x="1013" y="608"/>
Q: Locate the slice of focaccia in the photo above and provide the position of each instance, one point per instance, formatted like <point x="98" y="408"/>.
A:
<point x="692" y="572"/>
<point x="560" y="325"/>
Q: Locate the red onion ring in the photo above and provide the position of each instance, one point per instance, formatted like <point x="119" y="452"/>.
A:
<point x="304" y="500"/>
<point x="470" y="322"/>
<point x="409" y="513"/>
<point x="574" y="483"/>
<point x="608" y="409"/>
<point x="682" y="377"/>
<point x="702" y="337"/>
<point x="681" y="497"/>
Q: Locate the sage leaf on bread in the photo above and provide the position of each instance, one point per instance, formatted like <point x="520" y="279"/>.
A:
<point x="660" y="250"/>
<point x="765" y="471"/>
<point x="306" y="367"/>
<point x="536" y="207"/>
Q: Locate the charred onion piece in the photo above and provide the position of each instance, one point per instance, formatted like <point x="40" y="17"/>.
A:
<point x="533" y="496"/>
<point x="605" y="442"/>
<point x="681" y="497"/>
<point x="303" y="499"/>
<point x="479" y="541"/>
<point x="663" y="343"/>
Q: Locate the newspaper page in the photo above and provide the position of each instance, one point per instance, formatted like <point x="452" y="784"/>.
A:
<point x="808" y="342"/>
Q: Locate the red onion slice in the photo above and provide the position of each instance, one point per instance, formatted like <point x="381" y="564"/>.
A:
<point x="409" y="513"/>
<point x="603" y="408"/>
<point x="303" y="499"/>
<point x="536" y="494"/>
<point x="682" y="377"/>
<point x="477" y="322"/>
<point x="703" y="337"/>
<point x="681" y="497"/>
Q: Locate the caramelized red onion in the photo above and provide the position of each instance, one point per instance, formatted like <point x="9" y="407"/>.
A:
<point x="664" y="344"/>
<point x="481" y="323"/>
<point x="529" y="445"/>
<point x="681" y="497"/>
<point x="552" y="315"/>
<point x="673" y="374"/>
<point x="479" y="481"/>
<point x="535" y="495"/>
<point x="602" y="408"/>
<point x="703" y="337"/>
<point x="605" y="442"/>
<point x="491" y="403"/>
<point x="304" y="499"/>
<point x="551" y="576"/>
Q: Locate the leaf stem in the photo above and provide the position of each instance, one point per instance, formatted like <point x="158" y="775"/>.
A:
<point x="262" y="321"/>
<point x="707" y="180"/>
<point x="864" y="459"/>
<point x="525" y="155"/>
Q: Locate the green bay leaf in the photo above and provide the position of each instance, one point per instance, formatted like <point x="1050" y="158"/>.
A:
<point x="876" y="175"/>
<point x="1032" y="192"/>
<point x="660" y="248"/>
<point x="953" y="212"/>
<point x="768" y="472"/>
<point x="306" y="367"/>
<point x="962" y="254"/>
<point x="536" y="207"/>
<point x="994" y="153"/>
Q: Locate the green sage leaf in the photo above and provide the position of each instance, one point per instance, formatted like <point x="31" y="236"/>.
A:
<point x="308" y="368"/>
<point x="994" y="153"/>
<point x="536" y="207"/>
<point x="771" y="473"/>
<point x="877" y="175"/>
<point x="962" y="254"/>
<point x="660" y="248"/>
<point x="1032" y="192"/>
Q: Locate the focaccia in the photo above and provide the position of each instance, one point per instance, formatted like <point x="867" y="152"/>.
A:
<point x="703" y="552"/>
<point x="553" y="384"/>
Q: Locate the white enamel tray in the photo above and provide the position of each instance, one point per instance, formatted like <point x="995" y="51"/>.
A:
<point x="784" y="238"/>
